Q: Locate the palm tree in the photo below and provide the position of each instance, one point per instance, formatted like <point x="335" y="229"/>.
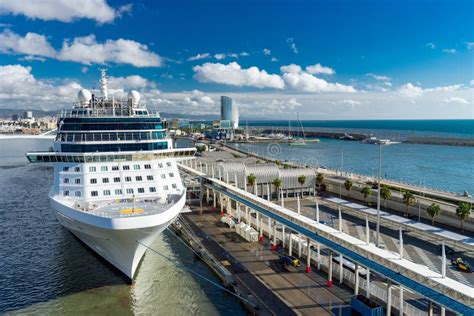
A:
<point x="301" y="181"/>
<point x="386" y="194"/>
<point x="251" y="178"/>
<point x="463" y="211"/>
<point x="366" y="191"/>
<point x="277" y="184"/>
<point x="408" y="199"/>
<point x="433" y="210"/>
<point x="348" y="186"/>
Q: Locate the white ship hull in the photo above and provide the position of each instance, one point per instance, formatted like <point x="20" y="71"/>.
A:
<point x="121" y="241"/>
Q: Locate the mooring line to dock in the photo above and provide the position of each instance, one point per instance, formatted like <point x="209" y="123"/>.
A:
<point x="196" y="274"/>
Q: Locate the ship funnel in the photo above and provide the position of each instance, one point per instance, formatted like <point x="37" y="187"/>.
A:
<point x="103" y="83"/>
<point x="134" y="95"/>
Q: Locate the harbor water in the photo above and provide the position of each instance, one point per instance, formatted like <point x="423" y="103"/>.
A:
<point x="46" y="270"/>
<point x="448" y="168"/>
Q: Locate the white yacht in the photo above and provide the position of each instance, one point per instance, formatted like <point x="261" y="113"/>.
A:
<point x="116" y="181"/>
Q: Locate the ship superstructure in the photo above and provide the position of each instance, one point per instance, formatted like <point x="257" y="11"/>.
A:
<point x="116" y="182"/>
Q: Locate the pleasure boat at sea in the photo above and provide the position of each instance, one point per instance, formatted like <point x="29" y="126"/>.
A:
<point x="116" y="181"/>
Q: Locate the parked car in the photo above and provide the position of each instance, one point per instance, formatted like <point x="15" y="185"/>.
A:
<point x="289" y="260"/>
<point x="461" y="265"/>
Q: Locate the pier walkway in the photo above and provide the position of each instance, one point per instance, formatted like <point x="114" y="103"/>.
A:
<point x="418" y="278"/>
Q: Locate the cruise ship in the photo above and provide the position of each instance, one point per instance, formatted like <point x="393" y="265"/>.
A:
<point x="116" y="181"/>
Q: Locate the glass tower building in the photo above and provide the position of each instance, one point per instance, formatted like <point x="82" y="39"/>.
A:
<point x="229" y="112"/>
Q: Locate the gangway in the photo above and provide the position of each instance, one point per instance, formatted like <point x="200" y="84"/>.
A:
<point x="418" y="278"/>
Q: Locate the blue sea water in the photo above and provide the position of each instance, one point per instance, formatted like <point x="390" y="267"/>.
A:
<point x="448" y="168"/>
<point x="393" y="128"/>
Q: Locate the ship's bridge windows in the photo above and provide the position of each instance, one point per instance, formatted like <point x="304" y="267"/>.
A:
<point x="141" y="190"/>
<point x="106" y="192"/>
<point x="93" y="181"/>
<point x="92" y="169"/>
<point x="152" y="189"/>
<point x="77" y="181"/>
<point x="149" y="178"/>
<point x="128" y="179"/>
<point x="117" y="179"/>
<point x="66" y="193"/>
<point x="126" y="167"/>
<point x="77" y="193"/>
<point x="147" y="166"/>
<point x="66" y="169"/>
<point x="105" y="180"/>
<point x="94" y="193"/>
<point x="66" y="180"/>
<point x="77" y="169"/>
<point x="129" y="191"/>
<point x="115" y="168"/>
<point x="118" y="191"/>
<point x="138" y="178"/>
<point x="136" y="167"/>
<point x="103" y="168"/>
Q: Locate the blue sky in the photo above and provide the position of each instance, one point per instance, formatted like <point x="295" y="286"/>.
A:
<point x="377" y="59"/>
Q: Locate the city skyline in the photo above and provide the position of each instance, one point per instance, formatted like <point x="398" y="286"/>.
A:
<point x="326" y="60"/>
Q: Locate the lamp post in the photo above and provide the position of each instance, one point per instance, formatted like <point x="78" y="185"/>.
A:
<point x="378" y="195"/>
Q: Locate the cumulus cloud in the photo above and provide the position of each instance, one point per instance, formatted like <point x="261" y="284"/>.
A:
<point x="199" y="56"/>
<point x="85" y="50"/>
<point x="234" y="74"/>
<point x="219" y="56"/>
<point x="266" y="51"/>
<point x="65" y="11"/>
<point x="469" y="45"/>
<point x="88" y="51"/>
<point x="19" y="89"/>
<point x="130" y="82"/>
<point x="31" y="44"/>
<point x="320" y="69"/>
<point x="308" y="83"/>
<point x="291" y="68"/>
<point x="274" y="59"/>
<point x="409" y="90"/>
<point x="456" y="100"/>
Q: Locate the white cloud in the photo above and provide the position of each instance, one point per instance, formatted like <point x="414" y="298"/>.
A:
<point x="84" y="50"/>
<point x="65" y="11"/>
<point x="431" y="45"/>
<point x="84" y="69"/>
<point x="320" y="69"/>
<point x="219" y="56"/>
<point x="244" y="54"/>
<point x="308" y="83"/>
<point x="378" y="77"/>
<point x="199" y="56"/>
<point x="88" y="51"/>
<point x="456" y="100"/>
<point x="233" y="74"/>
<point x="471" y="82"/>
<point x="19" y="89"/>
<point x="266" y="51"/>
<point x="274" y="59"/>
<point x="291" y="68"/>
<point x="32" y="58"/>
<point x="130" y="82"/>
<point x="449" y="50"/>
<point x="410" y="91"/>
<point x="290" y="41"/>
<point x="31" y="44"/>
<point x="469" y="45"/>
